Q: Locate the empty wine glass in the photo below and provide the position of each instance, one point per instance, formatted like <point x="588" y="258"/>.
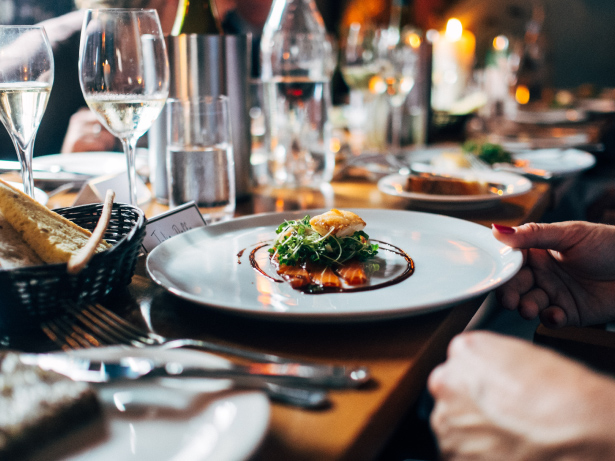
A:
<point x="360" y="62"/>
<point x="397" y="78"/>
<point x="124" y="74"/>
<point x="26" y="77"/>
<point x="360" y="59"/>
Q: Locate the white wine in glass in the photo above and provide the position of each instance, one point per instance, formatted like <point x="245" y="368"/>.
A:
<point x="26" y="77"/>
<point x="124" y="74"/>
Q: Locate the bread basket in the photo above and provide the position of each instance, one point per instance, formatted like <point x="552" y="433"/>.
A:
<point x="30" y="295"/>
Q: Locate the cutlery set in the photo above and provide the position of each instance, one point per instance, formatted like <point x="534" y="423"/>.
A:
<point x="283" y="379"/>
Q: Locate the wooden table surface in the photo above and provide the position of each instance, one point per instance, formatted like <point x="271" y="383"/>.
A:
<point x="399" y="353"/>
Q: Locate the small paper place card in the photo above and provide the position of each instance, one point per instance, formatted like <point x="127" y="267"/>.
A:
<point x="171" y="223"/>
<point x="95" y="189"/>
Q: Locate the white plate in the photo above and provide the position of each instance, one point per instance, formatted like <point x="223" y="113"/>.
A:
<point x="560" y="162"/>
<point x="87" y="163"/>
<point x="40" y="196"/>
<point x="550" y="116"/>
<point x="557" y="161"/>
<point x="455" y="260"/>
<point x="598" y="105"/>
<point x="170" y="419"/>
<point x="90" y="165"/>
<point x="514" y="184"/>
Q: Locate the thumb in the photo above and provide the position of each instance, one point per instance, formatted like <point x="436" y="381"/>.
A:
<point x="557" y="236"/>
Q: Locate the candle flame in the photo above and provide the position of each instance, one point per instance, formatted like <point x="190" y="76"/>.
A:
<point x="500" y="43"/>
<point x="377" y="85"/>
<point x="454" y="30"/>
<point x="522" y="94"/>
<point x="414" y="40"/>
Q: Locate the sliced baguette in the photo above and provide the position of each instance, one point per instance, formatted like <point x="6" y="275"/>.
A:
<point x="14" y="252"/>
<point x="52" y="237"/>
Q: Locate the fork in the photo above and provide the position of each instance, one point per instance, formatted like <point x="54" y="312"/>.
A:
<point x="101" y="326"/>
<point x="531" y="173"/>
<point x="106" y="327"/>
<point x="477" y="163"/>
<point x="70" y="336"/>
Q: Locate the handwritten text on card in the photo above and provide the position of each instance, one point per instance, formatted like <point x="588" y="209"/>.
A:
<point x="172" y="223"/>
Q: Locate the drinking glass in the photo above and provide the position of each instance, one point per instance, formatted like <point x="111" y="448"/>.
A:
<point x="397" y="78"/>
<point x="26" y="77"/>
<point x="360" y="62"/>
<point x="124" y="74"/>
<point x="360" y="59"/>
<point x="200" y="161"/>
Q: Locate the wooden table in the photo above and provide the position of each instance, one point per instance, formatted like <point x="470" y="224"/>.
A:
<point x="400" y="353"/>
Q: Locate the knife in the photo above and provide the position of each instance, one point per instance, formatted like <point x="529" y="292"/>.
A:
<point x="133" y="368"/>
<point x="529" y="172"/>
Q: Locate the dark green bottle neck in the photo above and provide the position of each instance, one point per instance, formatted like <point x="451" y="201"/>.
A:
<point x="197" y="17"/>
<point x="403" y="14"/>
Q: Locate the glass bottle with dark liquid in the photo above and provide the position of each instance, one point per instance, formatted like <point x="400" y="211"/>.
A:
<point x="296" y="95"/>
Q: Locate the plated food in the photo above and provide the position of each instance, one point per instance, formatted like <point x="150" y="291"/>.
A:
<point x="213" y="267"/>
<point x="38" y="406"/>
<point x="328" y="251"/>
<point x="488" y="152"/>
<point x="466" y="189"/>
<point x="543" y="164"/>
<point x="443" y="185"/>
<point x="46" y="416"/>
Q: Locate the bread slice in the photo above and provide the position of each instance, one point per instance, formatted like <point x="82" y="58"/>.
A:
<point x="52" y="237"/>
<point x="14" y="252"/>
<point x="39" y="407"/>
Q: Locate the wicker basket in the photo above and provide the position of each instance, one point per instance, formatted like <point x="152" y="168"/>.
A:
<point x="30" y="295"/>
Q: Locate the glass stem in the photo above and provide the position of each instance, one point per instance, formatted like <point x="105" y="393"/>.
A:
<point x="396" y="127"/>
<point x="25" y="161"/>
<point x="130" y="146"/>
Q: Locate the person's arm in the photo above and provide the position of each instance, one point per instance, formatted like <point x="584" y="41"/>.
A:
<point x="86" y="134"/>
<point x="62" y="28"/>
<point x="499" y="398"/>
<point x="568" y="276"/>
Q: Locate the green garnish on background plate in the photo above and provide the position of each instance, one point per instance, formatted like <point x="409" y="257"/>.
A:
<point x="487" y="152"/>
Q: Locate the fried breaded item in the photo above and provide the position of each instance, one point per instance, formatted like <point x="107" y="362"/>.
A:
<point x="337" y="222"/>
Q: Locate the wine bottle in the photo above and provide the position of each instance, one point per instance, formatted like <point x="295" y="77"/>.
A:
<point x="296" y="78"/>
<point x="402" y="14"/>
<point x="196" y="17"/>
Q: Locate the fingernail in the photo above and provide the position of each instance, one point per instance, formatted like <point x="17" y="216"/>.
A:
<point x="503" y="229"/>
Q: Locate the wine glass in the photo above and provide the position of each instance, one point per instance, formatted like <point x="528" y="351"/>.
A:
<point x="124" y="74"/>
<point x="398" y="76"/>
<point x="26" y="77"/>
<point x="360" y="62"/>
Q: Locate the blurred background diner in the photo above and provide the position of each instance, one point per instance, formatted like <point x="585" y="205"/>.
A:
<point x="554" y="50"/>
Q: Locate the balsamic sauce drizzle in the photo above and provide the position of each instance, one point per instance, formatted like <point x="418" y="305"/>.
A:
<point x="311" y="289"/>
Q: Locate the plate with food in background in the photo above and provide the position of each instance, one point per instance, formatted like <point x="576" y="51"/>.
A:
<point x="397" y="263"/>
<point x="461" y="189"/>
<point x="537" y="164"/>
